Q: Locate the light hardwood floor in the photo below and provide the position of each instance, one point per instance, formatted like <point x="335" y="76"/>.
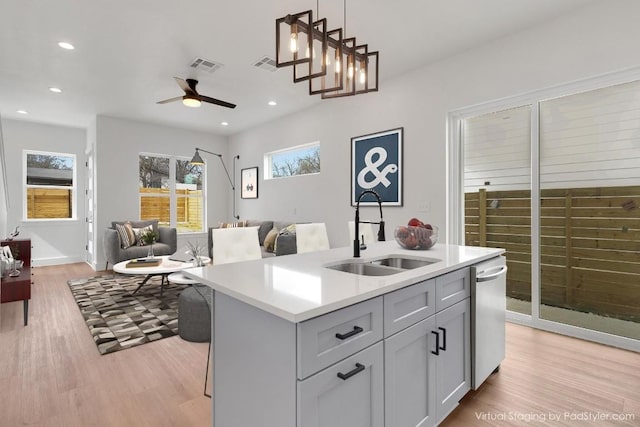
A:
<point x="51" y="374"/>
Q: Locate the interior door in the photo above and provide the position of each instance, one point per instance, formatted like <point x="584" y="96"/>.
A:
<point x="89" y="212"/>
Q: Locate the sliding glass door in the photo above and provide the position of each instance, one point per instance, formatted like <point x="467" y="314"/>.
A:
<point x="553" y="177"/>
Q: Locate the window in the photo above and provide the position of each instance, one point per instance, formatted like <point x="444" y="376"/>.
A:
<point x="50" y="185"/>
<point x="300" y="160"/>
<point x="171" y="191"/>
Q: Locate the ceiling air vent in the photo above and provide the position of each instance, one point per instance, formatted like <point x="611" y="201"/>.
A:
<point x="206" y="65"/>
<point x="266" y="63"/>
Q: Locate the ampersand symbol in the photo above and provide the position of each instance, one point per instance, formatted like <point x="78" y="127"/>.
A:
<point x="380" y="176"/>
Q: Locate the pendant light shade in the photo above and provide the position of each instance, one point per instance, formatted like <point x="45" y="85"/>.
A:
<point x="316" y="66"/>
<point x="197" y="159"/>
<point x="335" y="66"/>
<point x="332" y="79"/>
<point x="293" y="39"/>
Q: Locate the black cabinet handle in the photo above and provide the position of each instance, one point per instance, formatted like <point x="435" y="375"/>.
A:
<point x="359" y="368"/>
<point x="444" y="339"/>
<point x="356" y="330"/>
<point x="437" y="352"/>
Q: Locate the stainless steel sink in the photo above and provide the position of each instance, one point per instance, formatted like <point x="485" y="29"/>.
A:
<point x="365" y="269"/>
<point x="405" y="263"/>
<point x="384" y="266"/>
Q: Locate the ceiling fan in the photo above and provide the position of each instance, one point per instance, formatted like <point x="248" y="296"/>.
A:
<point x="192" y="98"/>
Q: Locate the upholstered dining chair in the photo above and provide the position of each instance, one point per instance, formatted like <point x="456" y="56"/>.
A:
<point x="365" y="230"/>
<point x="311" y="237"/>
<point x="235" y="244"/>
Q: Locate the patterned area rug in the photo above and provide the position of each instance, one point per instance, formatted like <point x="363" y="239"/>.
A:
<point x="117" y="319"/>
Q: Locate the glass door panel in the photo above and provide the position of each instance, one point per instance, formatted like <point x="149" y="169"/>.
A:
<point x="497" y="185"/>
<point x="590" y="210"/>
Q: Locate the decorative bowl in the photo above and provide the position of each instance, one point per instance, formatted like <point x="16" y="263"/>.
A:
<point x="415" y="237"/>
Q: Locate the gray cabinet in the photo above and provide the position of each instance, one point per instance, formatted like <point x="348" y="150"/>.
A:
<point x="410" y="376"/>
<point x="372" y="364"/>
<point x="407" y="306"/>
<point x="453" y="363"/>
<point x="347" y="394"/>
<point x="452" y="288"/>
<point x="327" y="339"/>
<point x="427" y="368"/>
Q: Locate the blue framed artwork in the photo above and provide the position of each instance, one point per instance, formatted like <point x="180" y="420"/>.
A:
<point x="376" y="164"/>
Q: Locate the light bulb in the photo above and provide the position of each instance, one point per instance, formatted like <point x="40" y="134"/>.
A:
<point x="327" y="60"/>
<point x="191" y="102"/>
<point x="363" y="77"/>
<point x="293" y="42"/>
<point x="350" y="71"/>
<point x="338" y="66"/>
<point x="306" y="52"/>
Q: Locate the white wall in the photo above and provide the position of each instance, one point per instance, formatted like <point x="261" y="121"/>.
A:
<point x="118" y="144"/>
<point x="3" y="200"/>
<point x="54" y="242"/>
<point x="597" y="39"/>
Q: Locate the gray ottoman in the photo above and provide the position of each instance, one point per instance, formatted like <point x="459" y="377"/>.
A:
<point x="194" y="313"/>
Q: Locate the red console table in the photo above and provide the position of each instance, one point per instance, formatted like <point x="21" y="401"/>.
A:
<point x="18" y="288"/>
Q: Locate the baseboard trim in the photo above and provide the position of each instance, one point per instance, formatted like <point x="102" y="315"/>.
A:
<point x="42" y="262"/>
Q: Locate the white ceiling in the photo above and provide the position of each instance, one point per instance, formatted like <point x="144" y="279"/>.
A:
<point x="127" y="52"/>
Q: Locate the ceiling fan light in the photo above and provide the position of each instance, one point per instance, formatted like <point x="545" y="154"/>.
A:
<point x="191" y="102"/>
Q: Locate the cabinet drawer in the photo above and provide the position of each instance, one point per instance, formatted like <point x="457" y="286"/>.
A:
<point x="324" y="340"/>
<point x="452" y="288"/>
<point x="15" y="290"/>
<point x="408" y="306"/>
<point x="347" y="394"/>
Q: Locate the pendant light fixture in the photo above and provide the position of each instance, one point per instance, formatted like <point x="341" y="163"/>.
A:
<point x="334" y="66"/>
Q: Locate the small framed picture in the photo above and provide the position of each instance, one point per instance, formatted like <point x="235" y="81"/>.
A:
<point x="376" y="164"/>
<point x="249" y="183"/>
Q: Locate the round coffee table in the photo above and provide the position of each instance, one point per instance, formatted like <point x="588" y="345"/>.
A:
<point x="164" y="269"/>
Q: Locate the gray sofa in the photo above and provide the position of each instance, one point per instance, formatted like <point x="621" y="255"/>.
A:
<point x="285" y="244"/>
<point x="167" y="243"/>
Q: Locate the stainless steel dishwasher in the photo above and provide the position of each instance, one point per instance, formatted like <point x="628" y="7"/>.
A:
<point x="488" y="309"/>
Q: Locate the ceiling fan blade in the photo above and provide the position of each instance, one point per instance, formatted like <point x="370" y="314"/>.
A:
<point x="216" y="101"/>
<point x="183" y="84"/>
<point x="177" y="98"/>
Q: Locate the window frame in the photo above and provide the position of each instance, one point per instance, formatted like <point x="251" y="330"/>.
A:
<point x="26" y="187"/>
<point x="268" y="160"/>
<point x="173" y="196"/>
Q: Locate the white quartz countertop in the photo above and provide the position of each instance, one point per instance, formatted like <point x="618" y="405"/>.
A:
<point x="299" y="287"/>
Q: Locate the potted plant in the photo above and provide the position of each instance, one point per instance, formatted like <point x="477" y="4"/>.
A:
<point x="149" y="237"/>
<point x="197" y="252"/>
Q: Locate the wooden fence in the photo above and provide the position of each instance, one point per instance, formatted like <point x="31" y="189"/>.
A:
<point x="154" y="204"/>
<point x="589" y="245"/>
<point x="49" y="203"/>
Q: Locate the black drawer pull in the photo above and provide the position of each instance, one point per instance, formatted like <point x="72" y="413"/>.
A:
<point x="359" y="368"/>
<point x="437" y="351"/>
<point x="444" y="339"/>
<point x="356" y="330"/>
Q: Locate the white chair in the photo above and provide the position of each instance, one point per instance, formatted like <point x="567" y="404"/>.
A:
<point x="365" y="230"/>
<point x="235" y="244"/>
<point x="311" y="237"/>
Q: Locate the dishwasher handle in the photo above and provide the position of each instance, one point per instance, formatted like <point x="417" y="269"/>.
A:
<point x="491" y="274"/>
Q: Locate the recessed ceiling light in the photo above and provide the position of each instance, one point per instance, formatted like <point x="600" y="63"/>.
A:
<point x="272" y="103"/>
<point x="67" y="46"/>
<point x="21" y="112"/>
<point x="55" y="89"/>
<point x="224" y="124"/>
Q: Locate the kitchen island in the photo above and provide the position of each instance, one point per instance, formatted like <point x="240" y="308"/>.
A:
<point x="297" y="342"/>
